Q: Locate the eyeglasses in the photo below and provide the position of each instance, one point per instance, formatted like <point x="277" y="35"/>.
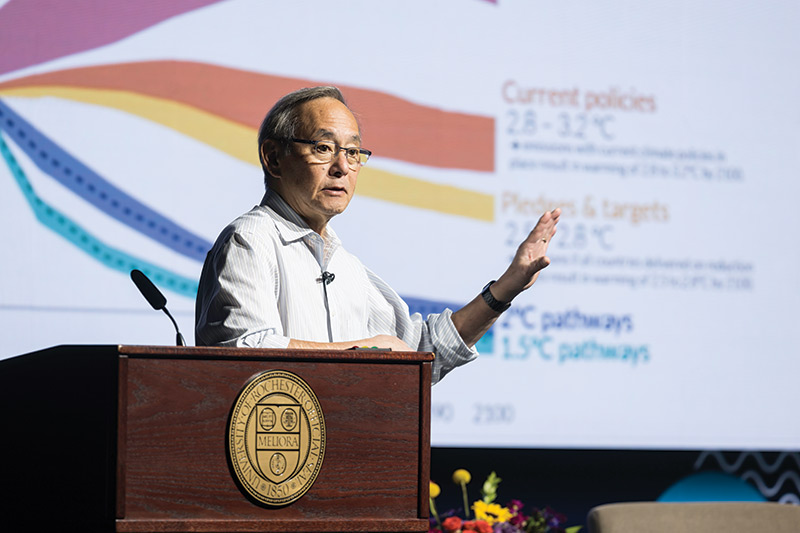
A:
<point x="325" y="151"/>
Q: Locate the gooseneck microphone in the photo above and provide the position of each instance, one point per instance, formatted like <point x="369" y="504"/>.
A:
<point x="156" y="299"/>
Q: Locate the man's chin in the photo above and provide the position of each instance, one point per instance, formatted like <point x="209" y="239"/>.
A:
<point x="335" y="206"/>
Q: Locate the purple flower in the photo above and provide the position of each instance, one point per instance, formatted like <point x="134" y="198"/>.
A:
<point x="515" y="506"/>
<point x="554" y="519"/>
<point x="517" y="519"/>
<point x="506" y="527"/>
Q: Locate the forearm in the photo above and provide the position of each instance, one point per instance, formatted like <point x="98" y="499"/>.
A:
<point x="311" y="345"/>
<point x="474" y="319"/>
<point x="387" y="342"/>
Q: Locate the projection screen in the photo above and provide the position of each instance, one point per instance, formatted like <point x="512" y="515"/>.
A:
<point x="667" y="132"/>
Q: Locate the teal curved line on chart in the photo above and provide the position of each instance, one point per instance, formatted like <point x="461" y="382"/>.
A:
<point x="94" y="247"/>
<point x="73" y="174"/>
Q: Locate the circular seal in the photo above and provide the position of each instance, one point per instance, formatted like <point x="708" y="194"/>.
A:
<point x="276" y="438"/>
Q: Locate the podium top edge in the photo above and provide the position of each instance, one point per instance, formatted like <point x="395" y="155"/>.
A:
<point x="220" y="352"/>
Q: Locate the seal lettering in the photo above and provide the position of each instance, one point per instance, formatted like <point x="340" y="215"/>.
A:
<point x="276" y="438"/>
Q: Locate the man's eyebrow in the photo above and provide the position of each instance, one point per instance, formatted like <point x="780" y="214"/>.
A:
<point x="327" y="134"/>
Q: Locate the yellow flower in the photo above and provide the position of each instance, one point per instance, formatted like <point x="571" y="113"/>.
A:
<point x="435" y="490"/>
<point x="491" y="512"/>
<point x="461" y="477"/>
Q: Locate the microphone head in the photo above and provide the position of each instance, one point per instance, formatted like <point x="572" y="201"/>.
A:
<point x="148" y="290"/>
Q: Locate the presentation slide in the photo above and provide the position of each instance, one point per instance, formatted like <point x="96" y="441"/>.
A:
<point x="667" y="132"/>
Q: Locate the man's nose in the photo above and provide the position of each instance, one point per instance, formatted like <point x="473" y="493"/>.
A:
<point x="339" y="164"/>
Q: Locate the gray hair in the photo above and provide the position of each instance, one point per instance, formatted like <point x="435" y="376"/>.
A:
<point x="281" y="122"/>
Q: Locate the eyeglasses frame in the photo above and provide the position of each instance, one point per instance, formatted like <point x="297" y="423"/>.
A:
<point x="361" y="151"/>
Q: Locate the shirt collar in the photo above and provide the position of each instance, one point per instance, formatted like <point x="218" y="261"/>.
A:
<point x="291" y="225"/>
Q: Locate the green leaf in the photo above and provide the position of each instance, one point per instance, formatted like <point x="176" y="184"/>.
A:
<point x="489" y="490"/>
<point x="573" y="529"/>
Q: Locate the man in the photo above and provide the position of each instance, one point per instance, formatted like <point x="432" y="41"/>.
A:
<point x="269" y="279"/>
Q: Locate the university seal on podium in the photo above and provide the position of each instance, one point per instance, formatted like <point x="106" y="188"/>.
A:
<point x="276" y="438"/>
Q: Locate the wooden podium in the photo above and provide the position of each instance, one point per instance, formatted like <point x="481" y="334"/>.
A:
<point x="133" y="439"/>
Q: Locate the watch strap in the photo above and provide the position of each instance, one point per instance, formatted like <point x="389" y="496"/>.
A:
<point x="493" y="302"/>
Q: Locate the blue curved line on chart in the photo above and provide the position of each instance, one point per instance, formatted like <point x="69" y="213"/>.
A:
<point x="86" y="183"/>
<point x="74" y="233"/>
<point x="118" y="260"/>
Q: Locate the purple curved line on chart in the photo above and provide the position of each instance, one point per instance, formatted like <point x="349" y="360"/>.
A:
<point x="35" y="31"/>
<point x="90" y="186"/>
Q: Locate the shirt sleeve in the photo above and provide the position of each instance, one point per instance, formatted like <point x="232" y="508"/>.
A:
<point x="237" y="299"/>
<point x="389" y="315"/>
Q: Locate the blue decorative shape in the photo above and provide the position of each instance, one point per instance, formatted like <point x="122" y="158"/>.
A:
<point x="711" y="487"/>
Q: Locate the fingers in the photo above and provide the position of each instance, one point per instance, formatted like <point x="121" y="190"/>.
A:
<point x="554" y="215"/>
<point x="390" y="342"/>
<point x="551" y="218"/>
<point x="545" y="228"/>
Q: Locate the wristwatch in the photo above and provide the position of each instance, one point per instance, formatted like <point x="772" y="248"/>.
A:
<point x="493" y="302"/>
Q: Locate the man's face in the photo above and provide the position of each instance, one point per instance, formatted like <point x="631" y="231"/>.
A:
<point x="318" y="191"/>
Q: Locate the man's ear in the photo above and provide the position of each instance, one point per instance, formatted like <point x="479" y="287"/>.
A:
<point x="269" y="157"/>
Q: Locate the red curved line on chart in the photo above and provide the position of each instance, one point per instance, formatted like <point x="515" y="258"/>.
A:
<point x="393" y="127"/>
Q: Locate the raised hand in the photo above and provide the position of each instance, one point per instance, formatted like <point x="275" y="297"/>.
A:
<point x="530" y="259"/>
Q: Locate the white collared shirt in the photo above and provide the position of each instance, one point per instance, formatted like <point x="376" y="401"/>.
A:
<point x="262" y="286"/>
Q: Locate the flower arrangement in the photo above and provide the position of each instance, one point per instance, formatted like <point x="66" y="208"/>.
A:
<point x="491" y="517"/>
